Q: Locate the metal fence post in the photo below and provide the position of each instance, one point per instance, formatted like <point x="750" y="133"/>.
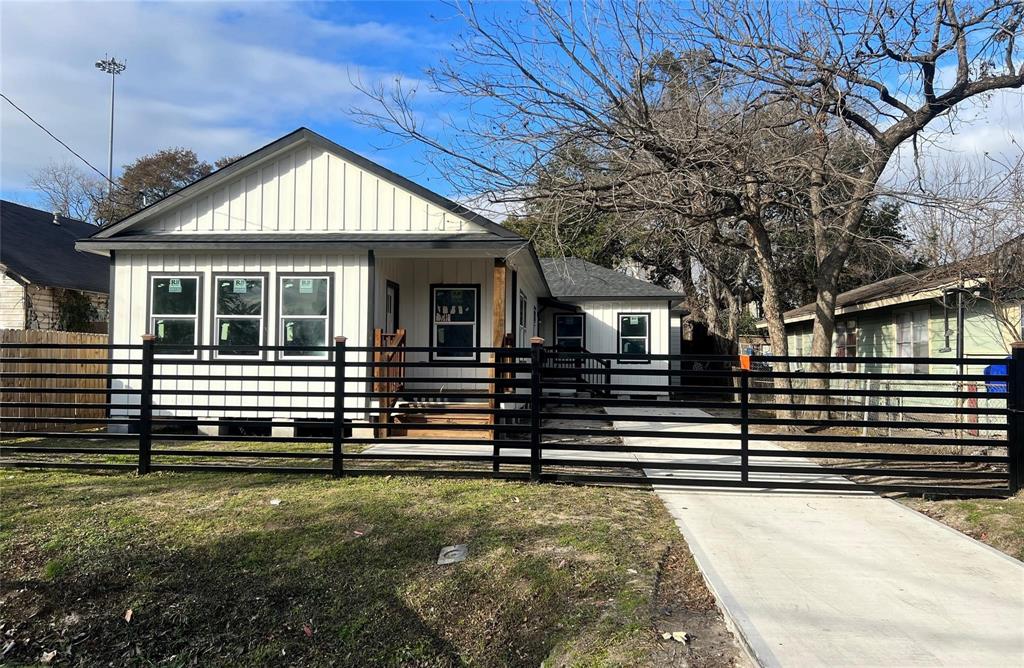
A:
<point x="1015" y="417"/>
<point x="338" y="432"/>
<point x="146" y="404"/>
<point x="536" y="353"/>
<point x="744" y="417"/>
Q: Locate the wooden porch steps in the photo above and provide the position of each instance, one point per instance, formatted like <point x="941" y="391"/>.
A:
<point x="455" y="417"/>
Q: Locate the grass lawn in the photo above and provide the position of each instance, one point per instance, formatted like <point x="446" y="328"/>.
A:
<point x="998" y="522"/>
<point x="343" y="572"/>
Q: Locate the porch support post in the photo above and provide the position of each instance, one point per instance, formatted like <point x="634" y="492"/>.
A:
<point x="498" y="301"/>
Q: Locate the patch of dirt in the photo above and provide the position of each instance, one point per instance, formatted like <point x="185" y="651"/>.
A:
<point x="683" y="603"/>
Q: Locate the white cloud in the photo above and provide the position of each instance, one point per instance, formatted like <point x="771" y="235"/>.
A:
<point x="222" y="79"/>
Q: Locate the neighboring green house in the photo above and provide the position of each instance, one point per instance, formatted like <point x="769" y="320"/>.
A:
<point x="957" y="310"/>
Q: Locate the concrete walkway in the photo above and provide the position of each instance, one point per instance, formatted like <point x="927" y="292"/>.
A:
<point x="839" y="579"/>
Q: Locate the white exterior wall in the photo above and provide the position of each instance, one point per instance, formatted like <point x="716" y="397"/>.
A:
<point x="12" y="303"/>
<point x="349" y="314"/>
<point x="307" y="189"/>
<point x="415" y="276"/>
<point x="602" y="335"/>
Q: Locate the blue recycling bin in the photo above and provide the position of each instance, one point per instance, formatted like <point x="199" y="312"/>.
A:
<point x="996" y="370"/>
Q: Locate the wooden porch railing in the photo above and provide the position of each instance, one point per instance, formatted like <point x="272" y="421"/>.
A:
<point x="388" y="377"/>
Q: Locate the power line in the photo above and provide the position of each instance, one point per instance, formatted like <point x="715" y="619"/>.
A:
<point x="113" y="184"/>
<point x="57" y="139"/>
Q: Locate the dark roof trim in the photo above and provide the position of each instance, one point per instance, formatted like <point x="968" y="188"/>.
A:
<point x="284" y="143"/>
<point x="551" y="302"/>
<point x="500" y="246"/>
<point x="674" y="299"/>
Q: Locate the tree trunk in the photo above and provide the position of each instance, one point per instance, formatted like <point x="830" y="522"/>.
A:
<point x="773" y="314"/>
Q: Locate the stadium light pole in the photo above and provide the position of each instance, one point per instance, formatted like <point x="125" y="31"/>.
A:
<point x="112" y="67"/>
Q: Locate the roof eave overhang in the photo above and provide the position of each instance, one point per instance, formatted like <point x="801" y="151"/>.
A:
<point x="500" y="246"/>
<point x="674" y="298"/>
<point x="899" y="300"/>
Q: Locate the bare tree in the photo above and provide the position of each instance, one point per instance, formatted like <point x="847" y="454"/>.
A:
<point x="68" y="190"/>
<point x="972" y="230"/>
<point x="875" y="70"/>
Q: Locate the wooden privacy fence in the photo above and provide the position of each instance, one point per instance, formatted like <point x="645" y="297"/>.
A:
<point x="24" y="379"/>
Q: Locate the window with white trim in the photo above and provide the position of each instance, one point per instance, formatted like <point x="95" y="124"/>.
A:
<point x="912" y="339"/>
<point x="238" y="314"/>
<point x="569" y="331"/>
<point x="634" y="335"/>
<point x="304" y="316"/>
<point x="846" y="342"/>
<point x="174" y="314"/>
<point x="455" y="321"/>
<point x="521" y="321"/>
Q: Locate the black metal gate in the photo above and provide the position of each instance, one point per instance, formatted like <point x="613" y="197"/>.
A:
<point x="914" y="425"/>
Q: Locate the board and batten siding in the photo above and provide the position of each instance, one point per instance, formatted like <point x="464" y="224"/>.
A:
<point x="602" y="335"/>
<point x="349" y="314"/>
<point x="307" y="189"/>
<point x="414" y="277"/>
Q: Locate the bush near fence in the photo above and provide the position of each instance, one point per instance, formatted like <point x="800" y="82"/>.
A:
<point x="10" y="406"/>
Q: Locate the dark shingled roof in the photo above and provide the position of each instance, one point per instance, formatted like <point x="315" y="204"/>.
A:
<point x="573" y="278"/>
<point x="38" y="251"/>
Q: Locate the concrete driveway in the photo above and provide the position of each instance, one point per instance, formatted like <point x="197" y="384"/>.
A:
<point x="840" y="579"/>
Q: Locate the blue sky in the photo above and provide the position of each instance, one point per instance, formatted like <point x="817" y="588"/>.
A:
<point x="223" y="79"/>
<point x="226" y="78"/>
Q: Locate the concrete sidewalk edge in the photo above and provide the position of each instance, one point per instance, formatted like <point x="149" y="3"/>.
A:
<point x="755" y="649"/>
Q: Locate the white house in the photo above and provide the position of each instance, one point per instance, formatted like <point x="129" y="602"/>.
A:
<point x="303" y="240"/>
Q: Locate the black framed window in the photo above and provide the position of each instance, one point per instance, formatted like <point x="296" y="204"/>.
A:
<point x="174" y="314"/>
<point x="304" y="318"/>
<point x="634" y="335"/>
<point x="455" y="321"/>
<point x="570" y="331"/>
<point x="239" y="314"/>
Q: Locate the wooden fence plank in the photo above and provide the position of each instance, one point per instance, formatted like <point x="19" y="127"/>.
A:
<point x="55" y="377"/>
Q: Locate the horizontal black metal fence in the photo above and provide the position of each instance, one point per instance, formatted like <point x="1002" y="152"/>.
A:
<point x="922" y="425"/>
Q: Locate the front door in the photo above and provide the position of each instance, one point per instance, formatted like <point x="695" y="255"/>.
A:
<point x="391" y="307"/>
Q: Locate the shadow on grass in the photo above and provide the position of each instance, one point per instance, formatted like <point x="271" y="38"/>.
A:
<point x="342" y="572"/>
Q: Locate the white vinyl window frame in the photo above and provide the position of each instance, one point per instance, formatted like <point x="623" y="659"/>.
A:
<point x="282" y="316"/>
<point x="846" y="344"/>
<point x="436" y="352"/>
<point x="912" y="339"/>
<point x="218" y="317"/>
<point x="195" y="317"/>
<point x="646" y="337"/>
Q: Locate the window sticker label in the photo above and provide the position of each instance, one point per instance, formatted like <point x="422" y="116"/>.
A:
<point x="240" y="286"/>
<point x="174" y="285"/>
<point x="305" y="286"/>
<point x="634" y="320"/>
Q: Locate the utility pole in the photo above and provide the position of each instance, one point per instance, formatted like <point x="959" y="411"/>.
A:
<point x="112" y="67"/>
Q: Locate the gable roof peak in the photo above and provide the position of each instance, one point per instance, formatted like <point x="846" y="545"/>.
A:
<point x="291" y="140"/>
